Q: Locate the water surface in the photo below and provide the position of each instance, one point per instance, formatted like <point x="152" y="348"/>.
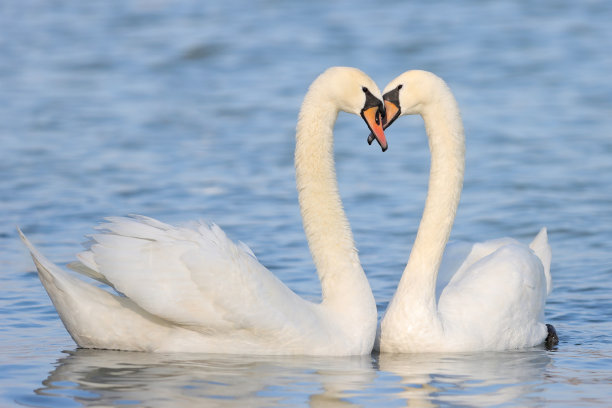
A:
<point x="185" y="111"/>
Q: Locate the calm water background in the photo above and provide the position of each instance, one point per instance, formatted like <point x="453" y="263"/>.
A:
<point x="186" y="110"/>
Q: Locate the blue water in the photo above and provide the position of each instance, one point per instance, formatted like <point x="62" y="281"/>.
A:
<point x="186" y="110"/>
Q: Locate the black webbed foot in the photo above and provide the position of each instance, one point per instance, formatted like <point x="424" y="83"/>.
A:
<point x="551" y="339"/>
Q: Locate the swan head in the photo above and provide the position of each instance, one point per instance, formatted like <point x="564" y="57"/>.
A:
<point x="410" y="93"/>
<point x="355" y="92"/>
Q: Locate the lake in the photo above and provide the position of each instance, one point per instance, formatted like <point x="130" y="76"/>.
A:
<point x="185" y="110"/>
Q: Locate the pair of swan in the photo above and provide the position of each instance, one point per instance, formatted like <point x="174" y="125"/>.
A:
<point x="192" y="289"/>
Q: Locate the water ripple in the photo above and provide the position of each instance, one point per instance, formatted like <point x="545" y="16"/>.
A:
<point x="187" y="111"/>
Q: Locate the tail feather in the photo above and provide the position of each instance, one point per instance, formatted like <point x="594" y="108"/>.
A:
<point x="540" y="246"/>
<point x="46" y="269"/>
<point x="53" y="278"/>
<point x="86" y="309"/>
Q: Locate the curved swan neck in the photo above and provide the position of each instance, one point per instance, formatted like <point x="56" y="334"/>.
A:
<point x="327" y="229"/>
<point x="447" y="146"/>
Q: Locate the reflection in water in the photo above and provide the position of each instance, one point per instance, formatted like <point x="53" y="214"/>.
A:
<point x="97" y="377"/>
<point x="475" y="379"/>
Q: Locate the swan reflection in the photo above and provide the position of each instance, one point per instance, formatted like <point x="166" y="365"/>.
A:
<point x="100" y="378"/>
<point x="474" y="379"/>
<point x="104" y="378"/>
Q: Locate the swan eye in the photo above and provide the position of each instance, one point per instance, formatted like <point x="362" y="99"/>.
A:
<point x="364" y="89"/>
<point x="400" y="86"/>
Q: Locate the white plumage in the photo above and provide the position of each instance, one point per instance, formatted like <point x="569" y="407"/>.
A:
<point x="191" y="289"/>
<point x="485" y="296"/>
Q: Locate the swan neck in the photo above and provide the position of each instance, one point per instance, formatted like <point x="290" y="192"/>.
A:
<point x="325" y="223"/>
<point x="447" y="146"/>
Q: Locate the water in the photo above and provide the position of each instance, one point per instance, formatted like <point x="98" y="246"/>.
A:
<point x="187" y="110"/>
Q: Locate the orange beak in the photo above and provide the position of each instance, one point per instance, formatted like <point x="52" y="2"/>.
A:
<point x="374" y="120"/>
<point x="393" y="112"/>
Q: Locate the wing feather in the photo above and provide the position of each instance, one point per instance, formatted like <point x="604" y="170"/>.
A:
<point x="193" y="276"/>
<point x="499" y="294"/>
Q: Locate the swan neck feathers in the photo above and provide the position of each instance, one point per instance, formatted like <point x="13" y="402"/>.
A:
<point x="444" y="128"/>
<point x="326" y="226"/>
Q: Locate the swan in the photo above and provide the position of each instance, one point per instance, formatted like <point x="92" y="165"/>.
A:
<point x="191" y="289"/>
<point x="491" y="295"/>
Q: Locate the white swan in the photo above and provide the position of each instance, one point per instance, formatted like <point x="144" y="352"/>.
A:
<point x="191" y="289"/>
<point x="493" y="292"/>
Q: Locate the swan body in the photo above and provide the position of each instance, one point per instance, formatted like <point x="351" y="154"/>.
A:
<point x="485" y="296"/>
<point x="191" y="289"/>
